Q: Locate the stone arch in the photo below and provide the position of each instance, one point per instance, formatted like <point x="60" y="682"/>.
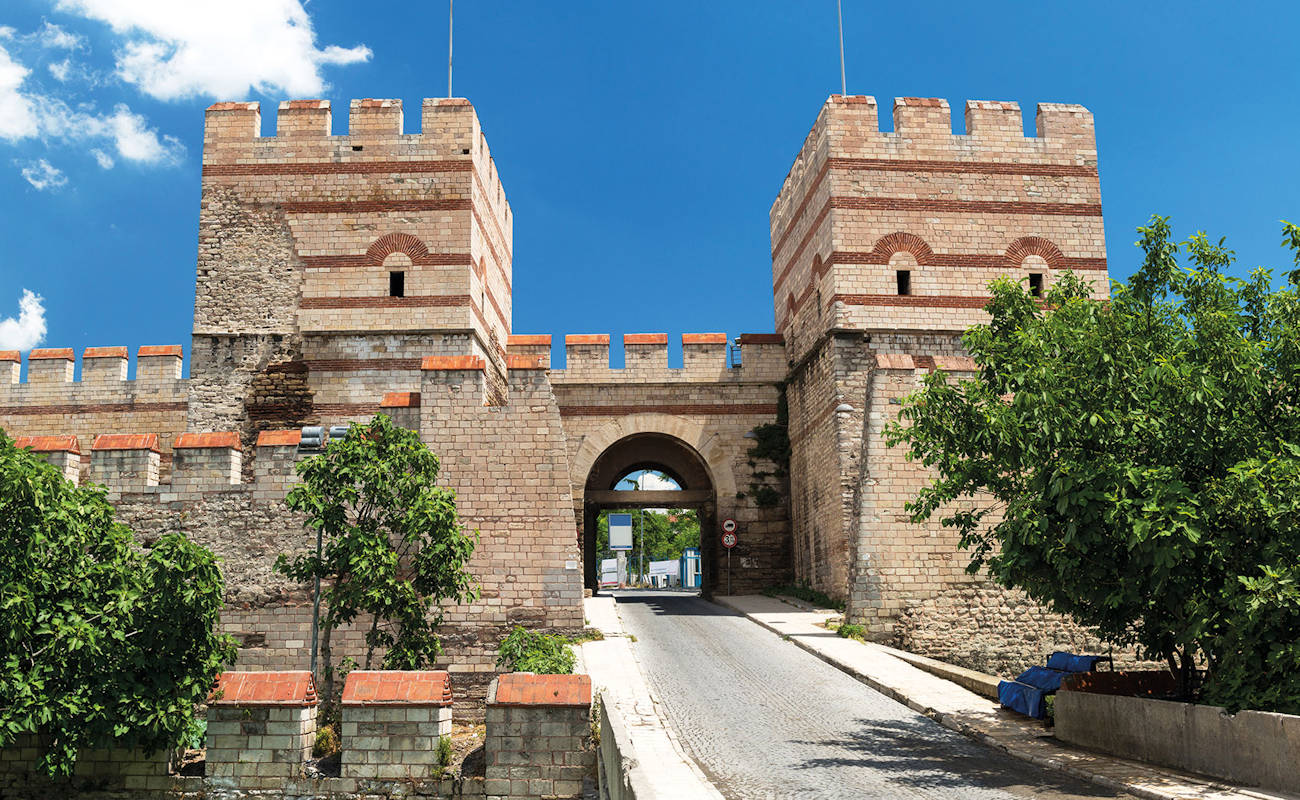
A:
<point x="391" y="243"/>
<point x="1026" y="246"/>
<point x="682" y="447"/>
<point x="892" y="243"/>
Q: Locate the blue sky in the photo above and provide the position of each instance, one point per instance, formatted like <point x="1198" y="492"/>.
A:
<point x="641" y="143"/>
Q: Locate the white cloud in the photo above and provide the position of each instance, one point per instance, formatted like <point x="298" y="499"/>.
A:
<point x="60" y="69"/>
<point x="136" y="141"/>
<point x="43" y="175"/>
<point x="654" y="482"/>
<point x="56" y="38"/>
<point x="176" y="49"/>
<point x="25" y="113"/>
<point x="103" y="159"/>
<point x="28" y="330"/>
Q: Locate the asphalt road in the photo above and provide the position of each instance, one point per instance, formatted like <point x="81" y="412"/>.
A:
<point x="766" y="720"/>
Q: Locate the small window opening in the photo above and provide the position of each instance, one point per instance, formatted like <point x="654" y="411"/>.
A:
<point x="397" y="284"/>
<point x="904" y="277"/>
<point x="1036" y="284"/>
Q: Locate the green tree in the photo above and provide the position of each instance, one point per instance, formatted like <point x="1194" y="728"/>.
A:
<point x="393" y="548"/>
<point x="1134" y="463"/>
<point x="101" y="642"/>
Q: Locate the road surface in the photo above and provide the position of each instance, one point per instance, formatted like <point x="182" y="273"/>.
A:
<point x="766" y="720"/>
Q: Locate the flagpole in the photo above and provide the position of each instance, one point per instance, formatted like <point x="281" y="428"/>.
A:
<point x="839" y="10"/>
<point x="450" y="5"/>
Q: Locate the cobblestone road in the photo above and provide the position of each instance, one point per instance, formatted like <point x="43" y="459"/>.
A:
<point x="767" y="720"/>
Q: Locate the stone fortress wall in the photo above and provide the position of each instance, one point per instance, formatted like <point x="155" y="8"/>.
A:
<point x="340" y="276"/>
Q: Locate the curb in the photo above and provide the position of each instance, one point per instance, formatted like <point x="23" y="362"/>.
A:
<point x="954" y="724"/>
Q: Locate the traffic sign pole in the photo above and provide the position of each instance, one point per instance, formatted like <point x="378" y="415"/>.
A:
<point x="729" y="541"/>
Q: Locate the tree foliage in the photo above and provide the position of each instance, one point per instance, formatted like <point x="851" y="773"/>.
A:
<point x="393" y="548"/>
<point x="101" y="643"/>
<point x="1135" y="463"/>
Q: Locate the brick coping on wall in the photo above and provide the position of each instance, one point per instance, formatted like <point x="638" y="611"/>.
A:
<point x="294" y="689"/>
<point x="397" y="687"/>
<point x="543" y="691"/>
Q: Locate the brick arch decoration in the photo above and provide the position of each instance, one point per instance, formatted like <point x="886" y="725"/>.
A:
<point x="390" y="243"/>
<point x="692" y="432"/>
<point x="1027" y="246"/>
<point x="899" y="241"/>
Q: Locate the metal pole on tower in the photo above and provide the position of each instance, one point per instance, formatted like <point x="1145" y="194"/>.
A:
<point x="839" y="10"/>
<point x="450" y="6"/>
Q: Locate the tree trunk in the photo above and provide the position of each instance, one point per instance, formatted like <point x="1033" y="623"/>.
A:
<point x="370" y="638"/>
<point x="327" y="663"/>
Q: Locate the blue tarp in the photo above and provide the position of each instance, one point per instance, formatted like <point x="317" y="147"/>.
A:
<point x="1029" y="691"/>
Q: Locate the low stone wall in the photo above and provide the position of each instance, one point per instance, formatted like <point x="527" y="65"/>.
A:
<point x="1249" y="748"/>
<point x="538" y="736"/>
<point x="622" y="776"/>
<point x="392" y="721"/>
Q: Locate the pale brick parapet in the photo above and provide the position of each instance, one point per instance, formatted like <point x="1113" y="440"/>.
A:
<point x="261" y="726"/>
<point x="103" y="364"/>
<point x="11" y="366"/>
<point x="538" y="736"/>
<point x="704" y="359"/>
<point x="125" y="462"/>
<point x="124" y="773"/>
<point x="50" y="365"/>
<point x="60" y="451"/>
<point x="392" y="721"/>
<point x="206" y="459"/>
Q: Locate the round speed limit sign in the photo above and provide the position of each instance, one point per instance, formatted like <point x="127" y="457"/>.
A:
<point x="728" y="540"/>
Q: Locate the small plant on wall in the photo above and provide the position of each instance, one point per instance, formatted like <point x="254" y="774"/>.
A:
<point x="771" y="444"/>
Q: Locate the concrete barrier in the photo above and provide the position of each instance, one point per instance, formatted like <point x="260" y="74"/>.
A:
<point x="621" y="775"/>
<point x="1250" y="748"/>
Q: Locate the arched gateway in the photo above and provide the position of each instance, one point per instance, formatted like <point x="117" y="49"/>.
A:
<point x="649" y="451"/>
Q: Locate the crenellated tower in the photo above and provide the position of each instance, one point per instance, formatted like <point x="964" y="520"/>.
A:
<point x="883" y="245"/>
<point x="330" y="265"/>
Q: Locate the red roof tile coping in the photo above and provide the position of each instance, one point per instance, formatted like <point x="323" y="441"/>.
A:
<point x="449" y="101"/>
<point x="159" y="350"/>
<point x="895" y="361"/>
<point x="299" y="105"/>
<point x="514" y="361"/>
<point x="49" y="444"/>
<point x="9" y="355"/>
<point x="761" y="338"/>
<point x="925" y="102"/>
<point x="264" y="689"/>
<point x="64" y="353"/>
<point x="400" y="400"/>
<point x="863" y="99"/>
<point x="955" y="363"/>
<point x="587" y="338"/>
<point x="397" y="687"/>
<point x="126" y="441"/>
<point x="234" y="107"/>
<point x="451" y="363"/>
<point x="645" y="338"/>
<point x="104" y="352"/>
<point x="371" y="102"/>
<point x="279" y="438"/>
<point x="229" y="439"/>
<point x="704" y="338"/>
<point x="527" y="689"/>
<point x="529" y="340"/>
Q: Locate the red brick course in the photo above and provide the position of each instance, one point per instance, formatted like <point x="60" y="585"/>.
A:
<point x="527" y="689"/>
<point x="397" y="687"/>
<point x="48" y="444"/>
<point x="126" y="441"/>
<point x="264" y="689"/>
<point x="204" y="440"/>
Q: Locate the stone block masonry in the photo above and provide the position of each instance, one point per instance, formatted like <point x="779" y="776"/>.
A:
<point x="392" y="722"/>
<point x="538" y="736"/>
<point x="261" y="726"/>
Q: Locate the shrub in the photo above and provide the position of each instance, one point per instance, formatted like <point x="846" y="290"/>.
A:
<point x="327" y="743"/>
<point x="533" y="651"/>
<point x="851" y="630"/>
<point x="803" y="591"/>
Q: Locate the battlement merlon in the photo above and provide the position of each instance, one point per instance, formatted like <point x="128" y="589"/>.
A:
<point x="99" y="366"/>
<point x="848" y="127"/>
<point x="704" y="358"/>
<point x="450" y="130"/>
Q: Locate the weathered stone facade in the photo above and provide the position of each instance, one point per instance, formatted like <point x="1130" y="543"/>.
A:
<point x="340" y="276"/>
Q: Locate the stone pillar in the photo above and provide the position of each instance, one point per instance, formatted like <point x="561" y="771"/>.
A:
<point x="538" y="736"/>
<point x="60" y="451"/>
<point x="392" y="721"/>
<point x="261" y="726"/>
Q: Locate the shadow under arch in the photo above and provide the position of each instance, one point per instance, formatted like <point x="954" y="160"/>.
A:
<point x="664" y="453"/>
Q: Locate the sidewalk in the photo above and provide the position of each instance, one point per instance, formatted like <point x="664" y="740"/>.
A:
<point x="970" y="714"/>
<point x="615" y="674"/>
